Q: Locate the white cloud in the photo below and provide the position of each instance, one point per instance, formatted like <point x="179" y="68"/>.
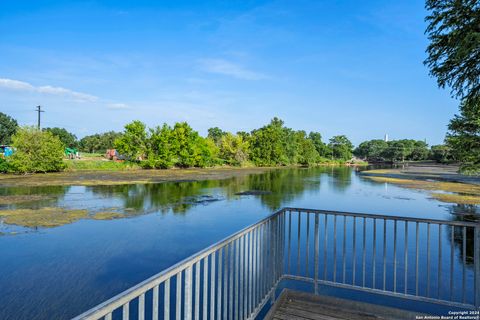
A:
<point x="58" y="91"/>
<point x="118" y="106"/>
<point x="227" y="68"/>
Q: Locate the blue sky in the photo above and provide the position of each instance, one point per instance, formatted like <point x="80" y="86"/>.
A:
<point x="337" y="67"/>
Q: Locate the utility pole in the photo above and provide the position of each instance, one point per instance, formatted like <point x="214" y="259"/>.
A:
<point x="39" y="110"/>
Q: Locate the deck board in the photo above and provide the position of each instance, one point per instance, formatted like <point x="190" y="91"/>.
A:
<point x="293" y="305"/>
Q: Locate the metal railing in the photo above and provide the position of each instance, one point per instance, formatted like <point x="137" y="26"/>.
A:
<point x="236" y="277"/>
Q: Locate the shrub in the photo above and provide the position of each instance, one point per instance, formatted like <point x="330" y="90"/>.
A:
<point x="36" y="151"/>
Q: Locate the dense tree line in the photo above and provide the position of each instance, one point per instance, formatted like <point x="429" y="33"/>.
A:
<point x="271" y="145"/>
<point x="402" y="150"/>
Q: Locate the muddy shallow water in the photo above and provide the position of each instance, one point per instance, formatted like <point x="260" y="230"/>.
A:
<point x="122" y="234"/>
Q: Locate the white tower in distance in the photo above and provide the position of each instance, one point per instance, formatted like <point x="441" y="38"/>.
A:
<point x="386" y="137"/>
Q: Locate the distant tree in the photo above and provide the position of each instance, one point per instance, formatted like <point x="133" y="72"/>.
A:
<point x="184" y="139"/>
<point x="234" y="149"/>
<point x="99" y="142"/>
<point x="372" y="150"/>
<point x="36" y="151"/>
<point x="420" y="151"/>
<point x="160" y="154"/>
<point x="464" y="136"/>
<point x="8" y="127"/>
<point x="320" y="146"/>
<point x="268" y="144"/>
<point x="216" y="134"/>
<point x="306" y="152"/>
<point x="133" y="142"/>
<point x="440" y="153"/>
<point x="68" y="139"/>
<point x="341" y="147"/>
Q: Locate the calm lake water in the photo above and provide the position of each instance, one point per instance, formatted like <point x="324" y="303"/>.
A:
<point x="57" y="273"/>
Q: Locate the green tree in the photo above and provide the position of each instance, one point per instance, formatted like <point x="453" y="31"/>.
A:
<point x="216" y="134"/>
<point x="234" y="149"/>
<point x="440" y="153"/>
<point x="184" y="139"/>
<point x="453" y="52"/>
<point x="8" y="127"/>
<point x="342" y="148"/>
<point x="160" y="154"/>
<point x="36" y="151"/>
<point x="372" y="150"/>
<point x="133" y="142"/>
<point x="464" y="136"/>
<point x="268" y="144"/>
<point x="68" y="139"/>
<point x="320" y="146"/>
<point x="307" y="153"/>
<point x="99" y="142"/>
<point x="420" y="151"/>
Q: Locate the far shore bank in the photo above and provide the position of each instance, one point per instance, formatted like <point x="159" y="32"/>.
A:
<point x="132" y="176"/>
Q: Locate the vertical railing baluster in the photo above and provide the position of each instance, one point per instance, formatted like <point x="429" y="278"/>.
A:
<point x="428" y="259"/>
<point x="354" y="262"/>
<point x="250" y="272"/>
<point x="464" y="261"/>
<point x="394" y="255"/>
<point x="197" y="291"/>
<point x="416" y="258"/>
<point x="226" y="274"/>
<point x="308" y="245"/>
<point x="289" y="240"/>
<point x="205" y="289"/>
<point x="254" y="270"/>
<point x="298" y="242"/>
<point x="237" y="267"/>
<point x="126" y="311"/>
<point x="241" y="284"/>
<point x="325" y="246"/>
<point x="108" y="316"/>
<point x="452" y="249"/>
<point x="439" y="280"/>
<point x="188" y="294"/>
<point x="230" y="280"/>
<point x="246" y="262"/>
<point x="166" y="300"/>
<point x="155" y="303"/>
<point x="212" y="285"/>
<point x="219" y="283"/>
<point x="364" y="251"/>
<point x="374" y="253"/>
<point x="384" y="253"/>
<point x="141" y="307"/>
<point x="316" y="244"/>
<point x="405" y="259"/>
<point x="178" y="301"/>
<point x="476" y="259"/>
<point x="344" y="253"/>
<point x="335" y="248"/>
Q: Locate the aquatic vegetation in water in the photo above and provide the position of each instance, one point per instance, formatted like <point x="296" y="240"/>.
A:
<point x="16" y="199"/>
<point x="455" y="192"/>
<point x="457" y="198"/>
<point x="44" y="217"/>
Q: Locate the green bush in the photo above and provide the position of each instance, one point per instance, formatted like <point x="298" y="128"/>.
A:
<point x="36" y="151"/>
<point x="4" y="166"/>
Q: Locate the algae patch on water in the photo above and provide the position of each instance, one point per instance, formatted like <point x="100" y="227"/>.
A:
<point x="455" y="192"/>
<point x="44" y="217"/>
<point x="17" y="199"/>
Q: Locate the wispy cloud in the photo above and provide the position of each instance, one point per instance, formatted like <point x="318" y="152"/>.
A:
<point x="224" y="67"/>
<point x="58" y="91"/>
<point x="118" y="106"/>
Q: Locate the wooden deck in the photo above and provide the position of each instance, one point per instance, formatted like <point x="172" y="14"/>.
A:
<point x="293" y="305"/>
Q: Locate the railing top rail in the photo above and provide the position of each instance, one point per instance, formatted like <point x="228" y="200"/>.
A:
<point x="132" y="293"/>
<point x="386" y="217"/>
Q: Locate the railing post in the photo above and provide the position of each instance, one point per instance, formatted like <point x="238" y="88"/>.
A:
<point x="315" y="276"/>
<point x="476" y="260"/>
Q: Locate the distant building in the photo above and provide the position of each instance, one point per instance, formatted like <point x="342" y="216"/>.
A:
<point x="386" y="137"/>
